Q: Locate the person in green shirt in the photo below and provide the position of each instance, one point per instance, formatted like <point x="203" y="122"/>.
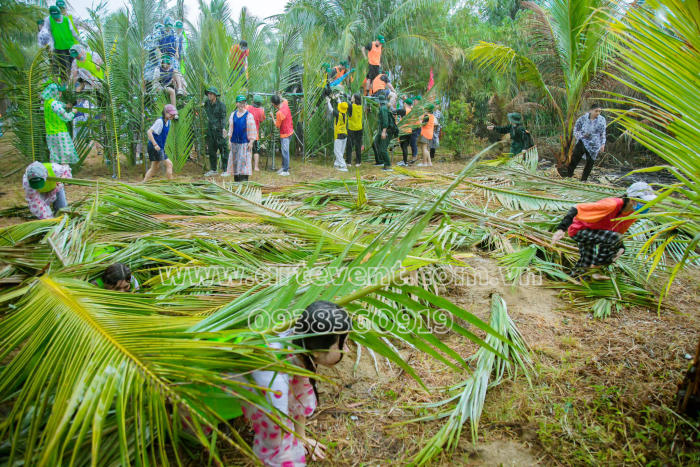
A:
<point x="215" y="110"/>
<point x="384" y="133"/>
<point x="86" y="68"/>
<point x="520" y="138"/>
<point x="56" y="115"/>
<point x="117" y="277"/>
<point x="64" y="35"/>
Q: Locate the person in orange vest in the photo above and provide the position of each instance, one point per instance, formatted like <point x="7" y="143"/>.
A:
<point x="373" y="53"/>
<point x="426" y="135"/>
<point x="382" y="85"/>
<point x="283" y="121"/>
<point x="597" y="228"/>
<point x="238" y="61"/>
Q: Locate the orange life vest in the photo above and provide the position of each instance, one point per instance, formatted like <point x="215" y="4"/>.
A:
<point x="378" y="84"/>
<point x="374" y="56"/>
<point x="427" y="130"/>
<point x="600" y="215"/>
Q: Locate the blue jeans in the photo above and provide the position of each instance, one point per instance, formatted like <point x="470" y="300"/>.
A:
<point x="285" y="153"/>
<point x="60" y="200"/>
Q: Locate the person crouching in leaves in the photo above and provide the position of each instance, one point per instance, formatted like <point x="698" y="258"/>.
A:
<point x="117" y="277"/>
<point x="322" y="329"/>
<point x="597" y="228"/>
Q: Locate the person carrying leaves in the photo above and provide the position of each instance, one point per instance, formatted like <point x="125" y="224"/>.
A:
<point x="520" y="138"/>
<point x="56" y="114"/>
<point x="44" y="198"/>
<point x="598" y="227"/>
<point x="373" y="53"/>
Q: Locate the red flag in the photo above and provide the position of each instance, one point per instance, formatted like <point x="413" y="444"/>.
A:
<point x="431" y="81"/>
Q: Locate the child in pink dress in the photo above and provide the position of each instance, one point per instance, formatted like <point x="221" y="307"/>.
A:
<point x="322" y="328"/>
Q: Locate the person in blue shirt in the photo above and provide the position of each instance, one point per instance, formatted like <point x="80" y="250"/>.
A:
<point x="157" y="137"/>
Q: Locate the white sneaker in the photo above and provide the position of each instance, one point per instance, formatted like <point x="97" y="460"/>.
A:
<point x="225" y="174"/>
<point x="358" y="165"/>
<point x="283" y="174"/>
<point x="343" y="169"/>
<point x="211" y="173"/>
<point x="401" y="163"/>
<point x="280" y="171"/>
<point x="420" y="165"/>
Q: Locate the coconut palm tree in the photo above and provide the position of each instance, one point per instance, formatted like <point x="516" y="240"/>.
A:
<point x="569" y="49"/>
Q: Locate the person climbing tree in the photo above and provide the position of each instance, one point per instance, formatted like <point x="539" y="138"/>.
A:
<point x="598" y="227"/>
<point x="64" y="35"/>
<point x="589" y="132"/>
<point x="381" y="85"/>
<point x="520" y="138"/>
<point x="86" y="68"/>
<point x="238" y="61"/>
<point x="373" y="53"/>
<point x="215" y="110"/>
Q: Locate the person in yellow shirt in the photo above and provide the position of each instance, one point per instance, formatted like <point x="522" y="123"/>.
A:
<point x="86" y="68"/>
<point x="354" y="131"/>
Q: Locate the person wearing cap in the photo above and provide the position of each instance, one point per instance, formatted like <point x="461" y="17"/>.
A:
<point x="61" y="4"/>
<point x="150" y="45"/>
<point x="381" y="85"/>
<point x="45" y="197"/>
<point x="283" y="121"/>
<point x="589" y="132"/>
<point x="242" y="134"/>
<point x="405" y="140"/>
<point x="180" y="48"/>
<point x="435" y="142"/>
<point x="384" y="134"/>
<point x="598" y="227"/>
<point x="355" y="112"/>
<point x="373" y="53"/>
<point x="166" y="79"/>
<point x="520" y="138"/>
<point x="56" y="114"/>
<point x="259" y="115"/>
<point x="64" y="35"/>
<point x="339" y="113"/>
<point x="157" y="137"/>
<point x="167" y="45"/>
<point x="43" y="35"/>
<point x="238" y="60"/>
<point x="86" y="69"/>
<point x="215" y="110"/>
<point x="427" y="132"/>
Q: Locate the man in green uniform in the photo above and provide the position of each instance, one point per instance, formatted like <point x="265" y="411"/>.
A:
<point x="64" y="35"/>
<point x="520" y="138"/>
<point x="216" y="130"/>
<point x="384" y="133"/>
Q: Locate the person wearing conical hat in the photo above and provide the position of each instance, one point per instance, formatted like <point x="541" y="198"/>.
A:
<point x="86" y="69"/>
<point x="242" y="134"/>
<point x="520" y="138"/>
<point x="44" y="197"/>
<point x="215" y="110"/>
<point x="56" y="115"/>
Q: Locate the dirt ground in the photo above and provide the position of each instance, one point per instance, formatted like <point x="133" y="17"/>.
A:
<point x="602" y="392"/>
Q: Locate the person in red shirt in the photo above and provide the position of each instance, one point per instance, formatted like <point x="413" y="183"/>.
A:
<point x="283" y="121"/>
<point x="597" y="228"/>
<point x="258" y="113"/>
